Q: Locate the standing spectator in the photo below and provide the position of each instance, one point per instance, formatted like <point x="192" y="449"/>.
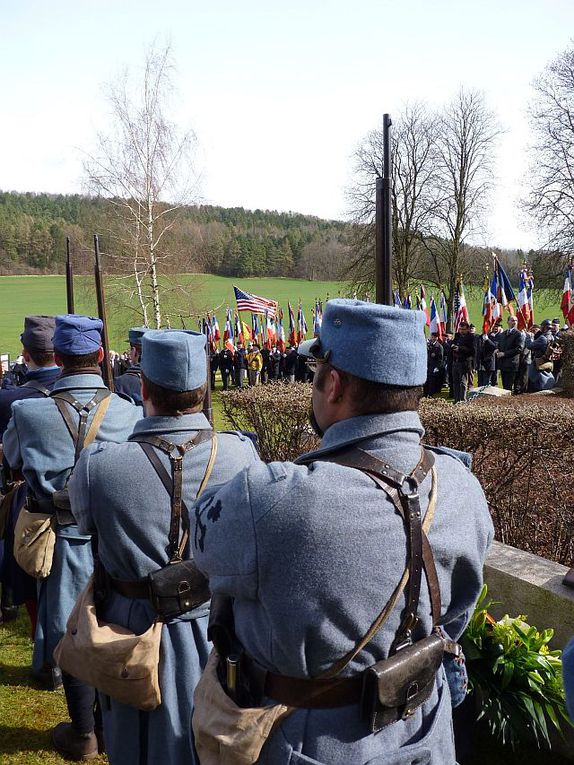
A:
<point x="213" y="365"/>
<point x="275" y="364"/>
<point x="476" y="339"/>
<point x="463" y="356"/>
<point x="254" y="364"/>
<point x="240" y="365"/>
<point x="486" y="360"/>
<point x="225" y="366"/>
<point x="447" y="345"/>
<point x="541" y="371"/>
<point x="290" y="363"/>
<point x="265" y="355"/>
<point x="510" y="347"/>
<point x="435" y="366"/>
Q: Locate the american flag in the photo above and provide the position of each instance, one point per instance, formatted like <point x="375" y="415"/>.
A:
<point x="248" y="302"/>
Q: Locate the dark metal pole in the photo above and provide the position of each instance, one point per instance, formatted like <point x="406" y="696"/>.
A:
<point x="207" y="407"/>
<point x="383" y="223"/>
<point x="69" y="279"/>
<point x="106" y="364"/>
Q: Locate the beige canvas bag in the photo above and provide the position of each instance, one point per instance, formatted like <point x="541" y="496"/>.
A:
<point x="226" y="734"/>
<point x="34" y="542"/>
<point x="35" y="533"/>
<point x="111" y="658"/>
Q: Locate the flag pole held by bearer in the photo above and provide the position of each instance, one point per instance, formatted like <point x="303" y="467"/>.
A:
<point x="383" y="229"/>
<point x="106" y="364"/>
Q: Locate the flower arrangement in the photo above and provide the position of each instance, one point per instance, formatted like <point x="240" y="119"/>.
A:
<point x="516" y="678"/>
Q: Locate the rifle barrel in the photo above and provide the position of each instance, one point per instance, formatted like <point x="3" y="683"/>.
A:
<point x="107" y="366"/>
<point x="69" y="279"/>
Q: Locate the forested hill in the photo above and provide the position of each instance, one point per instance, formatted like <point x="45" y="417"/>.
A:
<point x="207" y="239"/>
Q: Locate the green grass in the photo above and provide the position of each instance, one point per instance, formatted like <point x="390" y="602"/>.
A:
<point x="189" y="295"/>
<point x="27" y="715"/>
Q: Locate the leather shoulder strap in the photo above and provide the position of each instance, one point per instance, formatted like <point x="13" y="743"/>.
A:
<point x="79" y="433"/>
<point x="402" y="490"/>
<point x="37" y="385"/>
<point x="173" y="484"/>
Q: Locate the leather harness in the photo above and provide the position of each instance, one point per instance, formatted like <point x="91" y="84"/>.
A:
<point x="173" y="485"/>
<point x="330" y="690"/>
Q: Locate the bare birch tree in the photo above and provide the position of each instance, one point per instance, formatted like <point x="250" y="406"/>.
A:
<point x="413" y="139"/>
<point x="464" y="159"/>
<point x="550" y="200"/>
<point x="143" y="165"/>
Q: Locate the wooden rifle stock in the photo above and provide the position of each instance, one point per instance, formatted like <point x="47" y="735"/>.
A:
<point x="106" y="364"/>
<point x="69" y="279"/>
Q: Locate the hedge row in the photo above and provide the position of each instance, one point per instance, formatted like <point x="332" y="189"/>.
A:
<point x="523" y="450"/>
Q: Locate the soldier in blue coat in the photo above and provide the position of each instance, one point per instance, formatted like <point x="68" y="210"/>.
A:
<point x="130" y="382"/>
<point x="42" y="372"/>
<point x="133" y="527"/>
<point x="310" y="553"/>
<point x="39" y="443"/>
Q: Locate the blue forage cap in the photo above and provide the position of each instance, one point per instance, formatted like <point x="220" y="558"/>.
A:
<point x="174" y="359"/>
<point x="77" y="335"/>
<point x="376" y="342"/>
<point x="135" y="335"/>
<point x="38" y="333"/>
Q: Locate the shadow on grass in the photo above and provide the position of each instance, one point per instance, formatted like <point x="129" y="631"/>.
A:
<point x="17" y="676"/>
<point x="22" y="739"/>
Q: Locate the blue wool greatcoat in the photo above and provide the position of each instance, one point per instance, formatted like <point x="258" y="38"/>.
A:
<point x="11" y="575"/>
<point x="130" y="383"/>
<point x="38" y="443"/>
<point x="116" y="492"/>
<point x="312" y="554"/>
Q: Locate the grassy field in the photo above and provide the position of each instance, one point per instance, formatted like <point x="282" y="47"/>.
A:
<point x="193" y="294"/>
<point x="188" y="296"/>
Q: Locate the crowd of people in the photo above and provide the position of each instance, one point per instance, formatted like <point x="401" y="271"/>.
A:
<point x="256" y="619"/>
<point x="524" y="361"/>
<point x="256" y="365"/>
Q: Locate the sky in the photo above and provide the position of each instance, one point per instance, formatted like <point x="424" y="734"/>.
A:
<point x="278" y="93"/>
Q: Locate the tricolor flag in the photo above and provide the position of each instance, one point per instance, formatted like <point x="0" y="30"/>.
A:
<point x="255" y="327"/>
<point x="301" y="325"/>
<point x="228" y="339"/>
<point x="525" y="313"/>
<point x="488" y="309"/>
<point x="435" y="326"/>
<point x="248" y="302"/>
<point x="443" y="312"/>
<point x="317" y="318"/>
<point x="292" y="334"/>
<point x="215" y="333"/>
<point x="566" y="303"/>
<point x="423" y="306"/>
<point x="271" y="332"/>
<point x="407" y="302"/>
<point x="281" y="333"/>
<point x="501" y="287"/>
<point x="460" y="309"/>
<point x="397" y="299"/>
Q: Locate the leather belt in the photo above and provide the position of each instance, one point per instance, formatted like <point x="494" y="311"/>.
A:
<point x="138" y="589"/>
<point x="307" y="693"/>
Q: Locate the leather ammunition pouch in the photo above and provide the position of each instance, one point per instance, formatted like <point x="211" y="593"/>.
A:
<point x="180" y="586"/>
<point x="395" y="687"/>
<point x="177" y="588"/>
